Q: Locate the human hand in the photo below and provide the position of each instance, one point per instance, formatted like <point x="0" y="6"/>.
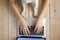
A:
<point x="38" y="26"/>
<point x="24" y="28"/>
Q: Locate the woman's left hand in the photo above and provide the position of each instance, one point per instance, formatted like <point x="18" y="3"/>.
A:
<point x="38" y="26"/>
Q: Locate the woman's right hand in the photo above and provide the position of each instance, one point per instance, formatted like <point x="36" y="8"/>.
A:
<point x="24" y="27"/>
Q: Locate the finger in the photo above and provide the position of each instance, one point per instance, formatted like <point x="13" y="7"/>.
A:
<point x="28" y="31"/>
<point x="41" y="29"/>
<point x="21" y="31"/>
<point x="29" y="26"/>
<point x="35" y="28"/>
<point x="38" y="29"/>
<point x="24" y="32"/>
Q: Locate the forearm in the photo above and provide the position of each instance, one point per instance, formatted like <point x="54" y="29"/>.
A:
<point x="43" y="11"/>
<point x="15" y="8"/>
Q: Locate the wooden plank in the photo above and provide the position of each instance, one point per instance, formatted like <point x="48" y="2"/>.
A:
<point x="3" y="20"/>
<point x="57" y="19"/>
<point x="53" y="20"/>
<point x="58" y="28"/>
<point x="12" y="25"/>
<point x="47" y="24"/>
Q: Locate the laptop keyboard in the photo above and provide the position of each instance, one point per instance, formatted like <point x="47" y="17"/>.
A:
<point x="32" y="32"/>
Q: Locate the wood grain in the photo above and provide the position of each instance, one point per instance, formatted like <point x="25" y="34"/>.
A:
<point x="3" y="20"/>
<point x="53" y="24"/>
<point x="8" y="22"/>
<point x="12" y="25"/>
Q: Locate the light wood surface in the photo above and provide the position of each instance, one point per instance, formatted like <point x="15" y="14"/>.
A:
<point x="8" y="23"/>
<point x="3" y="20"/>
<point x="53" y="19"/>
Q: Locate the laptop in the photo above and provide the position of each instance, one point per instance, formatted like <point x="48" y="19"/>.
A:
<point x="33" y="35"/>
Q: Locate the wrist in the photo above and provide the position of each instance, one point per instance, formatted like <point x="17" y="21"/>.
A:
<point x="39" y="19"/>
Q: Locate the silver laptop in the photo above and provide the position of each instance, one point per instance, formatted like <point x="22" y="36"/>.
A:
<point x="33" y="34"/>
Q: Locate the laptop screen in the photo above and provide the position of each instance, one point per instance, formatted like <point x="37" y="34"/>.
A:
<point x="31" y="39"/>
